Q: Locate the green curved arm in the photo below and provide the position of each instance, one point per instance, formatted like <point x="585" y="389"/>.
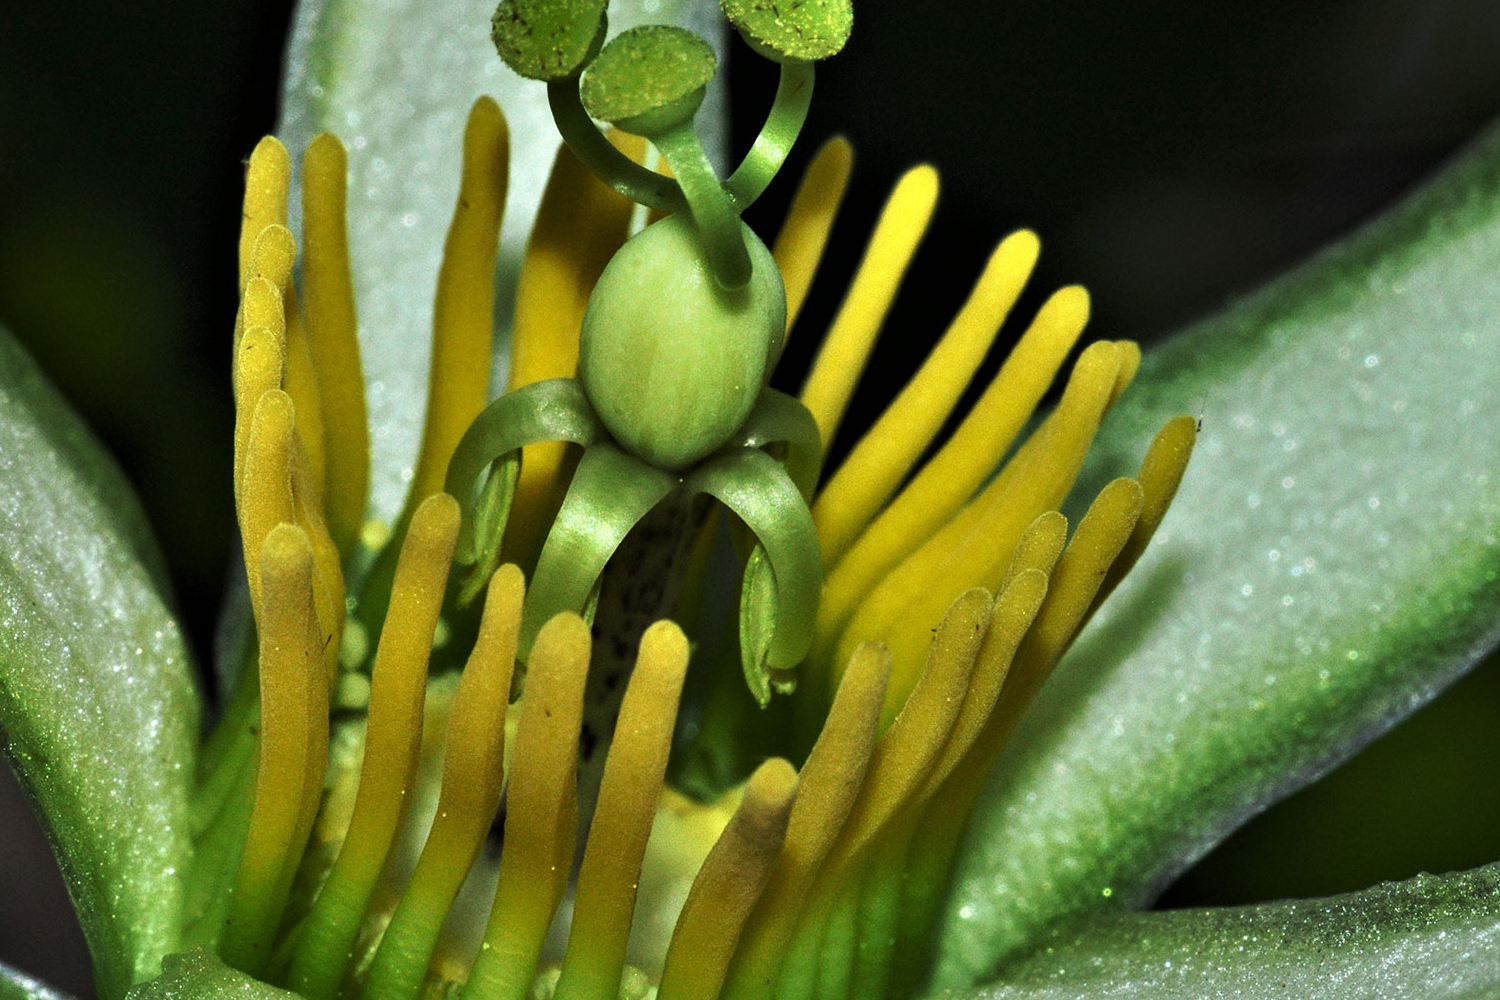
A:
<point x="783" y="124"/>
<point x="552" y="410"/>
<point x="781" y="419"/>
<point x="611" y="491"/>
<point x="784" y="577"/>
<point x="607" y="163"/>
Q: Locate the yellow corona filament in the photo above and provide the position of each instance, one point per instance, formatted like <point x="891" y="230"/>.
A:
<point x="604" y="901"/>
<point x="828" y="784"/>
<point x="293" y="749"/>
<point x="259" y="363"/>
<point x="975" y="547"/>
<point x="463" y="312"/>
<point x="1039" y="547"/>
<point x="266" y="500"/>
<point x="393" y="737"/>
<point x="328" y="578"/>
<point x="267" y="178"/>
<point x="261" y="306"/>
<point x="804" y="233"/>
<point x="332" y="328"/>
<point x="272" y="254"/>
<point x="472" y="780"/>
<point x="728" y="885"/>
<point x="1160" y="475"/>
<point x="541" y="813"/>
<point x="950" y="478"/>
<point x="1130" y="363"/>
<point x="846" y="348"/>
<point x="302" y="386"/>
<point x="579" y="226"/>
<point x="885" y="454"/>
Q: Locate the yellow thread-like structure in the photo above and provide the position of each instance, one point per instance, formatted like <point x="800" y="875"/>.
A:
<point x="393" y="737"/>
<point x="463" y="312"/>
<point x="950" y="478"/>
<point x="1039" y="547"/>
<point x="541" y="813"/>
<point x="886" y="452"/>
<point x="259" y="363"/>
<point x="633" y="774"/>
<point x="301" y="383"/>
<point x="727" y="886"/>
<point x="267" y="178"/>
<point x="846" y="348"/>
<point x="293" y="749"/>
<point x="332" y="328"/>
<point x="579" y="226"/>
<point x="472" y="780"/>
<point x="328" y="578"/>
<point x="266" y="499"/>
<point x="828" y="783"/>
<point x="803" y="237"/>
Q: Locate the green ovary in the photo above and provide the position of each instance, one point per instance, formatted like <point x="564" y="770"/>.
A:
<point x="673" y="373"/>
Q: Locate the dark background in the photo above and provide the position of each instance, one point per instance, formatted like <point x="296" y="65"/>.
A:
<point x="1169" y="152"/>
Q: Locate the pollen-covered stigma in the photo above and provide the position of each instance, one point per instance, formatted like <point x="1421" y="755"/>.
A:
<point x="475" y="753"/>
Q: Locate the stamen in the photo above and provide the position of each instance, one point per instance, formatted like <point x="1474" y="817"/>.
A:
<point x="633" y="774"/>
<point x="266" y="499"/>
<point x="829" y="782"/>
<point x="293" y="750"/>
<point x="463" y="312"/>
<point x="472" y="780"/>
<point x="332" y="327"/>
<point x="886" y="452"/>
<point x="579" y="226"/>
<point x="974" y="548"/>
<point x="804" y="234"/>
<point x="728" y="885"/>
<point x="541" y="809"/>
<point x="392" y="738"/>
<point x="948" y="480"/>
<point x="267" y="178"/>
<point x="846" y="348"/>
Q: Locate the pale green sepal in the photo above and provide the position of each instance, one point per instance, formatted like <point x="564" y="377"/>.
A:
<point x="1434" y="937"/>
<point x="1329" y="563"/>
<point x="98" y="710"/>
<point x="17" y="985"/>
<point x="200" y="975"/>
<point x="365" y="70"/>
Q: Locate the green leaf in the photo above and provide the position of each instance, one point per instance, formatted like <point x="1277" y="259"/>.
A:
<point x="364" y="71"/>
<point x="200" y="975"/>
<point x="1329" y="564"/>
<point x="17" y="985"/>
<point x="97" y="705"/>
<point x="1430" y="938"/>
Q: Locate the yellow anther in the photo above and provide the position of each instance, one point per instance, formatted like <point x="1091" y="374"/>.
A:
<point x="393" y="737"/>
<point x="975" y="547"/>
<point x="302" y="385"/>
<point x="293" y="749"/>
<point x="579" y="226"/>
<point x="472" y="780"/>
<point x="332" y="328"/>
<point x="1161" y="473"/>
<point x="949" y="479"/>
<point x="463" y="312"/>
<point x="267" y="178"/>
<point x="804" y="234"/>
<point x="887" y="451"/>
<point x="829" y="782"/>
<point x="259" y="363"/>
<point x="266" y="499"/>
<point x="604" y="901"/>
<point x="541" y="813"/>
<point x="845" y="350"/>
<point x="727" y="887"/>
